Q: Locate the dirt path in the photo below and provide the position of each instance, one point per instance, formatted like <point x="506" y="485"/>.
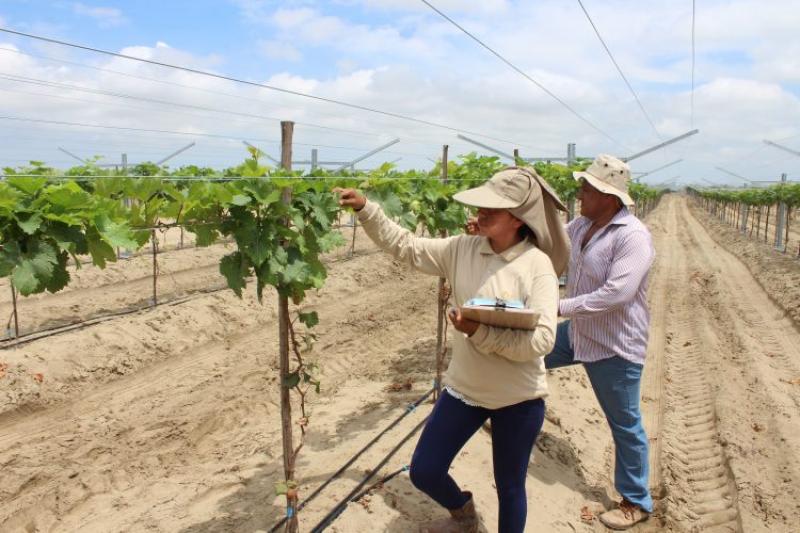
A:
<point x="731" y="436"/>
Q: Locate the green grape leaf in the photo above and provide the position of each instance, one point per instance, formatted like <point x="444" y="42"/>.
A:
<point x="205" y="235"/>
<point x="309" y="319"/>
<point x="35" y="268"/>
<point x="295" y="272"/>
<point x="234" y="268"/>
<point x="30" y="223"/>
<point x="258" y="248"/>
<point x="100" y="250"/>
<point x="67" y="196"/>
<point x="27" y="185"/>
<point x="24" y="278"/>
<point x="330" y="241"/>
<point x="291" y="380"/>
<point x="115" y="233"/>
<point x="68" y="238"/>
<point x="240" y="200"/>
<point x="60" y="277"/>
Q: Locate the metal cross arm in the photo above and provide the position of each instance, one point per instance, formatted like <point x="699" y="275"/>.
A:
<point x="735" y="175"/>
<point x="486" y="147"/>
<point x="781" y="147"/>
<point x="662" y="167"/>
<point x="368" y="154"/>
<point x="661" y="145"/>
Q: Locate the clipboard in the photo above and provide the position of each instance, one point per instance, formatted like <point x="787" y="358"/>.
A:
<point x="500" y="313"/>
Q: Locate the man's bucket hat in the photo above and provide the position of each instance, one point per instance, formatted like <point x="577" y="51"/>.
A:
<point x="608" y="175"/>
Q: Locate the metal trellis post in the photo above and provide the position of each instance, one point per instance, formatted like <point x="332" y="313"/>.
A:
<point x="780" y="221"/>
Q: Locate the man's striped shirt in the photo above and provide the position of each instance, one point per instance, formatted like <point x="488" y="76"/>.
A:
<point x="606" y="296"/>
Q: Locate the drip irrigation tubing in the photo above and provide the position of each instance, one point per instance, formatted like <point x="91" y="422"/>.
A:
<point x="50" y="332"/>
<point x="409" y="409"/>
<point x="342" y="505"/>
<point x="382" y="481"/>
<point x="57" y="330"/>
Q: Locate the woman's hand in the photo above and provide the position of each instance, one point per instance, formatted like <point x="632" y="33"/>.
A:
<point x="350" y="198"/>
<point x="472" y="226"/>
<point x="464" y="325"/>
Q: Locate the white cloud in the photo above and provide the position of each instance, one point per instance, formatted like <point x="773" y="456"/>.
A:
<point x="396" y="56"/>
<point x="282" y="50"/>
<point x="310" y="27"/>
<point x="106" y="17"/>
<point x="453" y="6"/>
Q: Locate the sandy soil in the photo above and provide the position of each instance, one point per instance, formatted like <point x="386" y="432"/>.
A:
<point x="167" y="419"/>
<point x="778" y="273"/>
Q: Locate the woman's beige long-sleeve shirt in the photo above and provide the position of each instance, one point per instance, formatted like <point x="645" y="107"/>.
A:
<point x="496" y="367"/>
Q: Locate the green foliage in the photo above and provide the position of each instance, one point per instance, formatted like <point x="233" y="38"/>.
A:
<point x="43" y="223"/>
<point x="560" y="177"/>
<point x="788" y="193"/>
<point x="147" y="169"/>
<point x="44" y="220"/>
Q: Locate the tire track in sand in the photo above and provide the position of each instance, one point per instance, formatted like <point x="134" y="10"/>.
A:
<point x="701" y="489"/>
<point x="756" y="365"/>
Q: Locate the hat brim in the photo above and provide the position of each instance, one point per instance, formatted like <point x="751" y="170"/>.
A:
<point x="485" y="197"/>
<point x="604" y="187"/>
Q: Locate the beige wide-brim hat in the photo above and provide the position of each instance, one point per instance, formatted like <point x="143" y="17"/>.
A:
<point x="608" y="175"/>
<point x="527" y="196"/>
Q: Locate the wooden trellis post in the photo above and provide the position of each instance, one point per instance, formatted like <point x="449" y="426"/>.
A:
<point x="287" y="129"/>
<point x="154" y="244"/>
<point x="14" y="306"/>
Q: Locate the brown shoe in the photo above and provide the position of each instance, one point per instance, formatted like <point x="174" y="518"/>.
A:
<point x="624" y="517"/>
<point x="464" y="520"/>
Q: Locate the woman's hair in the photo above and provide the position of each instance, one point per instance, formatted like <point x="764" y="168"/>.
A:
<point x="525" y="232"/>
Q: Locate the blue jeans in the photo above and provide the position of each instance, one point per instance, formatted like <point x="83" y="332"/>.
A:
<point x="450" y="426"/>
<point x="616" y="384"/>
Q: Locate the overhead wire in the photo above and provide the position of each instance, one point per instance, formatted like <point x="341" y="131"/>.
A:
<point x="224" y="178"/>
<point x="23" y="79"/>
<point x="406" y="138"/>
<point x="523" y="74"/>
<point x="619" y="69"/>
<point x="251" y="83"/>
<point x="183" y="133"/>
<point x="78" y="88"/>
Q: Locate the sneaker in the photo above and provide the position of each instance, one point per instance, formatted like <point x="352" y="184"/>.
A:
<point x="624" y="517"/>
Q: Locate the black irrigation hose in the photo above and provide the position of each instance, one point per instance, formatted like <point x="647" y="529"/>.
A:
<point x="409" y="409"/>
<point x="57" y="330"/>
<point x="49" y="332"/>
<point x="342" y="505"/>
<point x="382" y="481"/>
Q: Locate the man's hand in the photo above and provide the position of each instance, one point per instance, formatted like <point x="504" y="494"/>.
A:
<point x="350" y="198"/>
<point x="464" y="325"/>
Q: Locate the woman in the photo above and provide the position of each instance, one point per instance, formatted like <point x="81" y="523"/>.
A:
<point x="495" y="373"/>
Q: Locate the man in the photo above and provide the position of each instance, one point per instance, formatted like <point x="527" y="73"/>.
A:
<point x="606" y="305"/>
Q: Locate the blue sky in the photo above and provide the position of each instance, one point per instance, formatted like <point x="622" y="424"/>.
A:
<point x="399" y="56"/>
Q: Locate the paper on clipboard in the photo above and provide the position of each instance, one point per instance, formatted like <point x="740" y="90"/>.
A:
<point x="500" y="313"/>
